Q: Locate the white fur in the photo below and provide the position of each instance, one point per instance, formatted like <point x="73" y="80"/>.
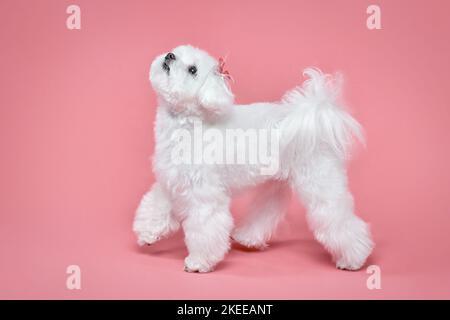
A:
<point x="316" y="134"/>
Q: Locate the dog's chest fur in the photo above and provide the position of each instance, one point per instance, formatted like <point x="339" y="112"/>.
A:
<point x="186" y="179"/>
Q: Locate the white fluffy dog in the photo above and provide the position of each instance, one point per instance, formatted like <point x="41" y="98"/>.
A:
<point x="314" y="135"/>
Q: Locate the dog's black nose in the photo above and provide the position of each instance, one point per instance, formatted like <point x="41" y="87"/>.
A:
<point x="170" y="56"/>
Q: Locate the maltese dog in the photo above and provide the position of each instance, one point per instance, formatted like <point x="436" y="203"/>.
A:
<point x="207" y="148"/>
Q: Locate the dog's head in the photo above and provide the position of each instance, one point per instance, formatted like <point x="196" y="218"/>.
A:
<point x="190" y="82"/>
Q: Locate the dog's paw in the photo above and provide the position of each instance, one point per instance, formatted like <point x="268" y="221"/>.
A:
<point x="151" y="231"/>
<point x="356" y="246"/>
<point x="354" y="260"/>
<point x="192" y="264"/>
<point x="153" y="220"/>
<point x="248" y="239"/>
<point x="342" y="264"/>
<point x="146" y="238"/>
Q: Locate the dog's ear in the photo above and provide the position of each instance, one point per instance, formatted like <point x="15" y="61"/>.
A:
<point x="215" y="96"/>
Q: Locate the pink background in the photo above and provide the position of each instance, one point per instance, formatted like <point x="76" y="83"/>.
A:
<point x="76" y="136"/>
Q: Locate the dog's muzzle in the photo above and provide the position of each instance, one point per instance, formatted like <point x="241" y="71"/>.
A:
<point x="167" y="60"/>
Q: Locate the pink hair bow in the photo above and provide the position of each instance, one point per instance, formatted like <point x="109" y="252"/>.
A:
<point x="222" y="70"/>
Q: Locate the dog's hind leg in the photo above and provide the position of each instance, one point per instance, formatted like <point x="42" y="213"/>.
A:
<point x="322" y="185"/>
<point x="154" y="219"/>
<point x="268" y="208"/>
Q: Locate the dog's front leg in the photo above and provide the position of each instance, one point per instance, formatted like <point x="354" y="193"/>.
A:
<point x="154" y="219"/>
<point x="207" y="230"/>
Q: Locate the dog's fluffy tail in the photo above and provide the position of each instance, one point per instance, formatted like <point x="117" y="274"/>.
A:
<point x="315" y="121"/>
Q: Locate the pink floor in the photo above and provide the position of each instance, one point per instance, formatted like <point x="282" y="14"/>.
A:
<point x="76" y="116"/>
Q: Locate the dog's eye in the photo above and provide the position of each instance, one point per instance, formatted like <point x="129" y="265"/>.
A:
<point x="193" y="70"/>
